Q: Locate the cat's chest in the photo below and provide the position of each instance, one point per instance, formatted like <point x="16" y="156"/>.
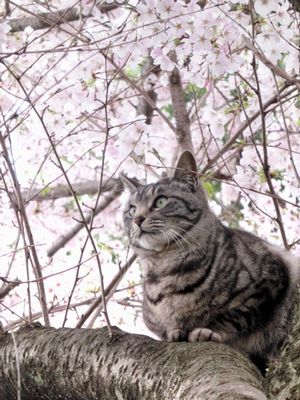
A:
<point x="172" y="297"/>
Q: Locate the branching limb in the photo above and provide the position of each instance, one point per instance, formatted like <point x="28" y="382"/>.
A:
<point x="48" y="19"/>
<point x="60" y="165"/>
<point x="230" y="142"/>
<point x="274" y="68"/>
<point x="183" y="130"/>
<point x="7" y="288"/>
<point x="63" y="190"/>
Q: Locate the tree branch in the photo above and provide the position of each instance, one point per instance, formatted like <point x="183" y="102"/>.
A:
<point x="143" y="106"/>
<point x="283" y="378"/>
<point x="89" y="364"/>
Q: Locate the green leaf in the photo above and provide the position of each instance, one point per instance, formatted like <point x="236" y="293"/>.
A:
<point x="262" y="176"/>
<point x="45" y="191"/>
<point x="90" y="83"/>
<point x="193" y="92"/>
<point x="277" y="174"/>
<point x="103" y="246"/>
<point x="133" y="74"/>
<point x="212" y="188"/>
<point x="169" y="109"/>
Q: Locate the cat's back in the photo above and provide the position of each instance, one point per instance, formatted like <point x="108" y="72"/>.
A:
<point x="271" y="272"/>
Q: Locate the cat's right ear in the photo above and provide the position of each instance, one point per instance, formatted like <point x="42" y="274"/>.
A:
<point x="186" y="169"/>
<point x="131" y="184"/>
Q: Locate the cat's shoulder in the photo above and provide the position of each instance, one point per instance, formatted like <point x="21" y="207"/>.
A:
<point x="249" y="239"/>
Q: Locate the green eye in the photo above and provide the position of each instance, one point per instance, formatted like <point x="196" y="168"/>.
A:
<point x="160" y="202"/>
<point x="132" y="211"/>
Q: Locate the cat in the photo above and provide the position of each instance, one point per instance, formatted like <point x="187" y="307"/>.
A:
<point x="204" y="281"/>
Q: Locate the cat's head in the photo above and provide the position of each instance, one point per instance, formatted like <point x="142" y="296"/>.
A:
<point x="158" y="216"/>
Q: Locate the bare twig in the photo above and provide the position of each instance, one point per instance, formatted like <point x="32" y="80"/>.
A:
<point x="108" y="292"/>
<point x="265" y="160"/>
<point x="139" y="89"/>
<point x="230" y="142"/>
<point x="287" y="134"/>
<point x="108" y="127"/>
<point x="20" y="210"/>
<point x="60" y="165"/>
<point x="274" y="68"/>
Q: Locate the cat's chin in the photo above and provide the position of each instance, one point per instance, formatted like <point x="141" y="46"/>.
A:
<point x="144" y="253"/>
<point x="146" y="248"/>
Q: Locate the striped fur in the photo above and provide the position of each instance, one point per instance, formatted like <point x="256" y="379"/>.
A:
<point x="202" y="280"/>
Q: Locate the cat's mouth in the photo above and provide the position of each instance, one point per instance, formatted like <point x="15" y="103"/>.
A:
<point x="143" y="231"/>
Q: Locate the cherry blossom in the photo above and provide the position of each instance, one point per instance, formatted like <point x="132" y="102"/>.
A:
<point x="147" y="12"/>
<point x="4" y="29"/>
<point x="201" y="40"/>
<point x="162" y="59"/>
<point x="265" y="7"/>
<point x="272" y="45"/>
<point x="168" y="8"/>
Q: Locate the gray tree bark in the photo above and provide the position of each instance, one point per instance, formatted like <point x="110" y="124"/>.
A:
<point x="283" y="378"/>
<point x="88" y="364"/>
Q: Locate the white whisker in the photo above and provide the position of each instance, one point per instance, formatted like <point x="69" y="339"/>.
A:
<point x="189" y="245"/>
<point x="174" y="237"/>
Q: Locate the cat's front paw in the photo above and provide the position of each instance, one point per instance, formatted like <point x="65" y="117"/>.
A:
<point x="204" y="335"/>
<point x="176" y="335"/>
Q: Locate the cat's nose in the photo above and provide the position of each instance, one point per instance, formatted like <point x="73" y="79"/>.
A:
<point x="139" y="220"/>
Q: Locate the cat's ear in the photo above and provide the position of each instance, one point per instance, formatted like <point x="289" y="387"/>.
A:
<point x="186" y="169"/>
<point x="132" y="184"/>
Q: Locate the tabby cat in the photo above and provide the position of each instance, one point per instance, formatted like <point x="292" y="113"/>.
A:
<point x="204" y="281"/>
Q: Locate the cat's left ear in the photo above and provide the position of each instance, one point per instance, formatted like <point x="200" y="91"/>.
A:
<point x="186" y="169"/>
<point x="132" y="184"/>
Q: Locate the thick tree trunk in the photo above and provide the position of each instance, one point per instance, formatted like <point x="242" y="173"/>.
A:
<point x="283" y="378"/>
<point x="88" y="364"/>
